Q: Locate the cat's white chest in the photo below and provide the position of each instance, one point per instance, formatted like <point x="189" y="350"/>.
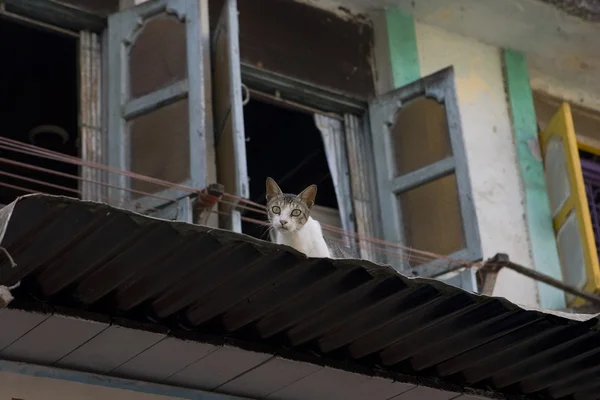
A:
<point x="308" y="240"/>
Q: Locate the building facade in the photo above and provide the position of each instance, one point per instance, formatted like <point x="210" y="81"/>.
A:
<point x="194" y="93"/>
<point x="438" y="134"/>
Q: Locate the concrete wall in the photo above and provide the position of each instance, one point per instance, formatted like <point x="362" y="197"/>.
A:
<point x="487" y="129"/>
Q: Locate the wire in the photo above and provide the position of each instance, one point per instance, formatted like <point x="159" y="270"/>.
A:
<point x="361" y="238"/>
<point x="373" y="244"/>
<point x="233" y="202"/>
<point x="76" y="177"/>
<point x="246" y="219"/>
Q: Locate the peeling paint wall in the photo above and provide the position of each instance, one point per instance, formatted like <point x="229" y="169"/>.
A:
<point x="488" y="138"/>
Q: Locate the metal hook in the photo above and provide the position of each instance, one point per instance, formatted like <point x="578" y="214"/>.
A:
<point x="245" y="99"/>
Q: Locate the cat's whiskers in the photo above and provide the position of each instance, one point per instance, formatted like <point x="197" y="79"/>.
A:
<point x="267" y="229"/>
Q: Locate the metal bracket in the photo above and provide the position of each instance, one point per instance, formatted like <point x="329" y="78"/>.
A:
<point x="205" y="202"/>
<point x="499" y="261"/>
<point x="491" y="269"/>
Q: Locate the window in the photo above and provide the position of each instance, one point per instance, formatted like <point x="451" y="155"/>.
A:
<point x="156" y="102"/>
<point x="570" y="143"/>
<point x="38" y="106"/>
<point x="155" y="80"/>
<point x="422" y="175"/>
<point x="420" y="172"/>
<point x="310" y="136"/>
<point x="298" y="156"/>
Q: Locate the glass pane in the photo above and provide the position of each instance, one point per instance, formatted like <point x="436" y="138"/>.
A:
<point x="420" y="135"/>
<point x="160" y="146"/>
<point x="431" y="217"/>
<point x="158" y="57"/>
<point x="570" y="251"/>
<point x="557" y="180"/>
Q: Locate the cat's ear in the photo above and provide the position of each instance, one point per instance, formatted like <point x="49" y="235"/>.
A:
<point x="273" y="189"/>
<point x="308" y="195"/>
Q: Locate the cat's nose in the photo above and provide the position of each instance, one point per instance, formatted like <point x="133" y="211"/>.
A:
<point x="283" y="223"/>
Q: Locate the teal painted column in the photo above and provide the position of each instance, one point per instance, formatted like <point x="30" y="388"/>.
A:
<point x="402" y="40"/>
<point x="537" y="206"/>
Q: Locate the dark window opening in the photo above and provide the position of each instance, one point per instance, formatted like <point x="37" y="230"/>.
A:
<point x="287" y="146"/>
<point x="38" y="105"/>
<point x="590" y="166"/>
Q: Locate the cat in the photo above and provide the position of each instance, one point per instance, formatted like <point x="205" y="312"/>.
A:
<point x="290" y="220"/>
<point x="289" y="216"/>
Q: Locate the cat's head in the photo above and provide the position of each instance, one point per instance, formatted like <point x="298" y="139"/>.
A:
<point x="289" y="212"/>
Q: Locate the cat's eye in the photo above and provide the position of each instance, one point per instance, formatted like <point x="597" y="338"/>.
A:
<point x="276" y="210"/>
<point x="296" y="213"/>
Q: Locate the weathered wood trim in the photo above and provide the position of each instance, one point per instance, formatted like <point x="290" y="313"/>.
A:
<point x="92" y="136"/>
<point x="423" y="175"/>
<point x="438" y="267"/>
<point x="301" y="92"/>
<point x="463" y="178"/>
<point x="116" y="94"/>
<point x="122" y="29"/>
<point x="180" y="210"/>
<point x="382" y="110"/>
<point x="228" y="113"/>
<point x="57" y="14"/>
<point x="275" y="34"/>
<point x="150" y="102"/>
<point x="197" y="96"/>
<point x="362" y="182"/>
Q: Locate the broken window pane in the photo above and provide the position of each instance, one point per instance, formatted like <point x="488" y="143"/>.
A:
<point x="158" y="56"/>
<point x="420" y="135"/>
<point x="160" y="146"/>
<point x="432" y="218"/>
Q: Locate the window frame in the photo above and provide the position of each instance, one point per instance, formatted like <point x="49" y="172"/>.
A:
<point x="359" y="157"/>
<point x="439" y="86"/>
<point x="123" y="27"/>
<point x="89" y="30"/>
<point x="228" y="113"/>
<point x="53" y="14"/>
<point x="561" y="127"/>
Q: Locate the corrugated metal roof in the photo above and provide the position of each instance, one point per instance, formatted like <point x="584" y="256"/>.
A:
<point x="95" y="257"/>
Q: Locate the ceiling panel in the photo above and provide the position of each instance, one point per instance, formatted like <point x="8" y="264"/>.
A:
<point x="52" y="339"/>
<point x="269" y="377"/>
<point x="17" y="323"/>
<point x="164" y="359"/>
<point x="111" y="348"/>
<point x="422" y="393"/>
<point x="217" y="368"/>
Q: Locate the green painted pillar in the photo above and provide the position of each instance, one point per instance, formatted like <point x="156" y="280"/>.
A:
<point x="404" y="55"/>
<point x="537" y="206"/>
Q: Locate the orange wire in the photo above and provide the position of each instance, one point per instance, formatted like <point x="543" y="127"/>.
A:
<point x="380" y="245"/>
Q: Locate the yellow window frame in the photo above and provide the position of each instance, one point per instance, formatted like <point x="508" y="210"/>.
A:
<point x="561" y="126"/>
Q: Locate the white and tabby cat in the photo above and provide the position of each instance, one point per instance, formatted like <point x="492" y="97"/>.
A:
<point x="289" y="216"/>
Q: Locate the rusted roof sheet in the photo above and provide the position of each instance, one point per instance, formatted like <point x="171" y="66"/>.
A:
<point x="366" y="316"/>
